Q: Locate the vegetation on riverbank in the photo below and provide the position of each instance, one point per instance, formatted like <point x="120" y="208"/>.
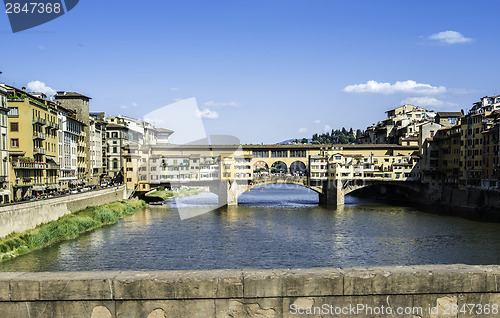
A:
<point x="67" y="227"/>
<point x="169" y="194"/>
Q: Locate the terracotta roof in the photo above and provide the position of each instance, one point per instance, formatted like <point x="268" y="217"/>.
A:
<point x="449" y="114"/>
<point x="69" y="94"/>
<point x="115" y="125"/>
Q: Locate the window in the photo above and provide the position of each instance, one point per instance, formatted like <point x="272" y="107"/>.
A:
<point x="279" y="153"/>
<point x="13" y="111"/>
<point x="297" y="153"/>
<point x="260" y="153"/>
<point x="14" y="143"/>
<point x="115" y="150"/>
<point x="14" y="126"/>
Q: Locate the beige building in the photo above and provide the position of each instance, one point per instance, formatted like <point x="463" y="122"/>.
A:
<point x="400" y="126"/>
<point x="117" y="137"/>
<point x="80" y="104"/>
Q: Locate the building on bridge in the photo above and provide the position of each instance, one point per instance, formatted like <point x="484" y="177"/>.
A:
<point x="240" y="168"/>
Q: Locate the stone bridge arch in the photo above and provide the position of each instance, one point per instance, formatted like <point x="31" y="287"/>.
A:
<point x="279" y="167"/>
<point x="335" y="190"/>
<point x="350" y="186"/>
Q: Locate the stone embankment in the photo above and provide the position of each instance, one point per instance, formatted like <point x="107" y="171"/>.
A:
<point x="27" y="215"/>
<point x="411" y="291"/>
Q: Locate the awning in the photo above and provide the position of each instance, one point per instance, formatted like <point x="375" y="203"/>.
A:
<point x="38" y="188"/>
<point x="5" y="192"/>
<point x="53" y="187"/>
<point x="51" y="158"/>
<point x="17" y="153"/>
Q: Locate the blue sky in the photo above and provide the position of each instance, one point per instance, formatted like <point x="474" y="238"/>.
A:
<point x="264" y="71"/>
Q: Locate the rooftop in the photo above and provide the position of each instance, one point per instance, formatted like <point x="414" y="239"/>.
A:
<point x="449" y="114"/>
<point x="63" y="94"/>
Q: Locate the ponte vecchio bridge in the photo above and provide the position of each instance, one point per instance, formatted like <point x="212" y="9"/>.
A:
<point x="229" y="170"/>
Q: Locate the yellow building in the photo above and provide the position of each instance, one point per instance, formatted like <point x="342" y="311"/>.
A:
<point x="33" y="143"/>
<point x="471" y="149"/>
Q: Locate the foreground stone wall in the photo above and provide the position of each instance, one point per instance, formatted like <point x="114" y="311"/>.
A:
<point x="436" y="289"/>
<point x="24" y="216"/>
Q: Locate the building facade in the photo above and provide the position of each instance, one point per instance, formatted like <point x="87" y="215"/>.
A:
<point x="5" y="192"/>
<point x="80" y="104"/>
<point x="70" y="130"/>
<point x="33" y="144"/>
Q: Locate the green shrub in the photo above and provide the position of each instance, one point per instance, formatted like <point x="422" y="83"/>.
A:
<point x="86" y="223"/>
<point x="69" y="226"/>
<point x="4" y="248"/>
<point x="105" y="215"/>
<point x="13" y="243"/>
<point x="64" y="230"/>
<point x="22" y="250"/>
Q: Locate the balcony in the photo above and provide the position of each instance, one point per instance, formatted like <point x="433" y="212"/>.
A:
<point x="39" y="121"/>
<point x="53" y="125"/>
<point x="28" y="165"/>
<point x="51" y="165"/>
<point x="39" y="151"/>
<point x="38" y="135"/>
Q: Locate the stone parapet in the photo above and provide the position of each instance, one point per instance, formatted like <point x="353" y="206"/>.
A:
<point x="27" y="215"/>
<point x="436" y="289"/>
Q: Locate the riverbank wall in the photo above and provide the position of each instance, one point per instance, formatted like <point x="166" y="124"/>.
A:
<point x="27" y="215"/>
<point x="392" y="291"/>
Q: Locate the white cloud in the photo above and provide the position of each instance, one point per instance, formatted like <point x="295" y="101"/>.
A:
<point x="223" y="104"/>
<point x="178" y="99"/>
<point x="37" y="86"/>
<point x="207" y="113"/>
<point x="327" y="128"/>
<point x="302" y="130"/>
<point x="450" y="37"/>
<point x="317" y="121"/>
<point x="174" y="89"/>
<point x="41" y="47"/>
<point x="134" y="104"/>
<point x="398" y="87"/>
<point x="427" y="101"/>
<point x="123" y="106"/>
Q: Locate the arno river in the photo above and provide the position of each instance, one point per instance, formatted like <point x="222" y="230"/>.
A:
<point x="273" y="227"/>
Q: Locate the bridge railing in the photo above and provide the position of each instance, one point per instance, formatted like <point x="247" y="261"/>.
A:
<point x="279" y="179"/>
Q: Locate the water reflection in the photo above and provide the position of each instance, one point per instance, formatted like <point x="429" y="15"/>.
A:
<point x="276" y="227"/>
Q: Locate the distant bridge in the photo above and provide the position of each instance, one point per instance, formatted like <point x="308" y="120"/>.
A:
<point x="330" y="170"/>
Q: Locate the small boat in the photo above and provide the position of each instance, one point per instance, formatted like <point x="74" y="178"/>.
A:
<point x="156" y="203"/>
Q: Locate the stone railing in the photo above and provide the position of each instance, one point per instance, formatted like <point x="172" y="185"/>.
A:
<point x="278" y="179"/>
<point x="392" y="291"/>
<point x="29" y="165"/>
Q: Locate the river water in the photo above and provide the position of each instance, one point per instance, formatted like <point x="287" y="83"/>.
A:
<point x="272" y="227"/>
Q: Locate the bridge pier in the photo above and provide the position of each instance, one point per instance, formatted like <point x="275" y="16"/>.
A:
<point x="333" y="193"/>
<point x="228" y="192"/>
